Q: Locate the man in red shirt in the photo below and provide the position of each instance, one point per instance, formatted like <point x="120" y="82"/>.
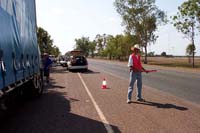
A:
<point x="136" y="70"/>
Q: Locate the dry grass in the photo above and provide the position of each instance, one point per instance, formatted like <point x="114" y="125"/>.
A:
<point x="173" y="61"/>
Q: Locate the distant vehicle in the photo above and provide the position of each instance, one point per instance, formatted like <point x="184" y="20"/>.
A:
<point x="77" y="62"/>
<point x="63" y="63"/>
<point x="62" y="60"/>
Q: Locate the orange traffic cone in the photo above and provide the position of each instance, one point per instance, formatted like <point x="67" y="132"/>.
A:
<point x="104" y="86"/>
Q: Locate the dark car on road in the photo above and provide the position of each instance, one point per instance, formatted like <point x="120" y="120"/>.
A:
<point x="77" y="62"/>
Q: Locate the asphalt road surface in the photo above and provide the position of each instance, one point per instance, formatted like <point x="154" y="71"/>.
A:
<point x="179" y="83"/>
<point x="73" y="102"/>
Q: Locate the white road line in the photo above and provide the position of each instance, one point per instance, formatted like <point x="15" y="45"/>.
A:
<point x="100" y="113"/>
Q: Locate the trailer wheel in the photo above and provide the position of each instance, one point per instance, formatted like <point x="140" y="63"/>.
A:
<point x="38" y="85"/>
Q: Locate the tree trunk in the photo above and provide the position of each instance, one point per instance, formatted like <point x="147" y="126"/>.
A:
<point x="193" y="45"/>
<point x="193" y="58"/>
<point x="145" y="59"/>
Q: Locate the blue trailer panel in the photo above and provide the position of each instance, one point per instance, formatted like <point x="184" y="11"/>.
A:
<point x="19" y="51"/>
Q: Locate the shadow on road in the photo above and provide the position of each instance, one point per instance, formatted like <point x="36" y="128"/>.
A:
<point x="160" y="105"/>
<point x="52" y="85"/>
<point x="84" y="71"/>
<point x="60" y="70"/>
<point x="91" y="72"/>
<point x="49" y="114"/>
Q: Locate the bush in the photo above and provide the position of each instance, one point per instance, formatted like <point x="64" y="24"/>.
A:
<point x="164" y="54"/>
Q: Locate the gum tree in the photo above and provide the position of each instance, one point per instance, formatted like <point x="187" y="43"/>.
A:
<point x="45" y="42"/>
<point x="141" y="18"/>
<point x="187" y="21"/>
<point x="189" y="51"/>
<point x="83" y="45"/>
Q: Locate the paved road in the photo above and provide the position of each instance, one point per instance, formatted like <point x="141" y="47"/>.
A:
<point x="73" y="102"/>
<point x="63" y="108"/>
<point x="182" y="84"/>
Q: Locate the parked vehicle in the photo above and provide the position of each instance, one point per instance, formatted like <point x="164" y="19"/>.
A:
<point x="19" y="51"/>
<point x="63" y="63"/>
<point x="62" y="60"/>
<point x="77" y="62"/>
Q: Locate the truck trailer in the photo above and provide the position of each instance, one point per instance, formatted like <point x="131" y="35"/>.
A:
<point x="19" y="51"/>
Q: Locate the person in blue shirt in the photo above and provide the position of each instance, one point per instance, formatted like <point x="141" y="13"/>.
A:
<point x="46" y="66"/>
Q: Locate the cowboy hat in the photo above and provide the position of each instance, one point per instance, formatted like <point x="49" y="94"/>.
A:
<point x="136" y="46"/>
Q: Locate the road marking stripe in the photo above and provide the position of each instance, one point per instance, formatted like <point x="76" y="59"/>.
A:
<point x="100" y="113"/>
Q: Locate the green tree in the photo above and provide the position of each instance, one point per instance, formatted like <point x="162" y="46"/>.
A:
<point x="187" y="20"/>
<point x="151" y="54"/>
<point x="118" y="47"/>
<point x="55" y="51"/>
<point x="189" y="51"/>
<point x="141" y="18"/>
<point x="99" y="39"/>
<point x="46" y="43"/>
<point x="113" y="47"/>
<point x="190" y="48"/>
<point x="127" y="42"/>
<point x="83" y="45"/>
<point x="164" y="54"/>
<point x="92" y="46"/>
<point x="42" y="37"/>
<point x="110" y="46"/>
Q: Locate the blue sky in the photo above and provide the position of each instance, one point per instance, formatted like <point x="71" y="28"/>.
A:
<point x="66" y="20"/>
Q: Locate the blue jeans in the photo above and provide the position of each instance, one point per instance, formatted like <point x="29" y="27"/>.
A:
<point x="133" y="77"/>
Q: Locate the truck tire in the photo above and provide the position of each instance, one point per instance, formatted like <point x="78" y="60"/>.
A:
<point x="38" y="85"/>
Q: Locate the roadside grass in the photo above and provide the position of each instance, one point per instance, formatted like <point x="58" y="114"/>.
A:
<point x="173" y="62"/>
<point x="175" y="65"/>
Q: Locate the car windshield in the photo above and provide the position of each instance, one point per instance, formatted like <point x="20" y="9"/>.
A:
<point x="78" y="58"/>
